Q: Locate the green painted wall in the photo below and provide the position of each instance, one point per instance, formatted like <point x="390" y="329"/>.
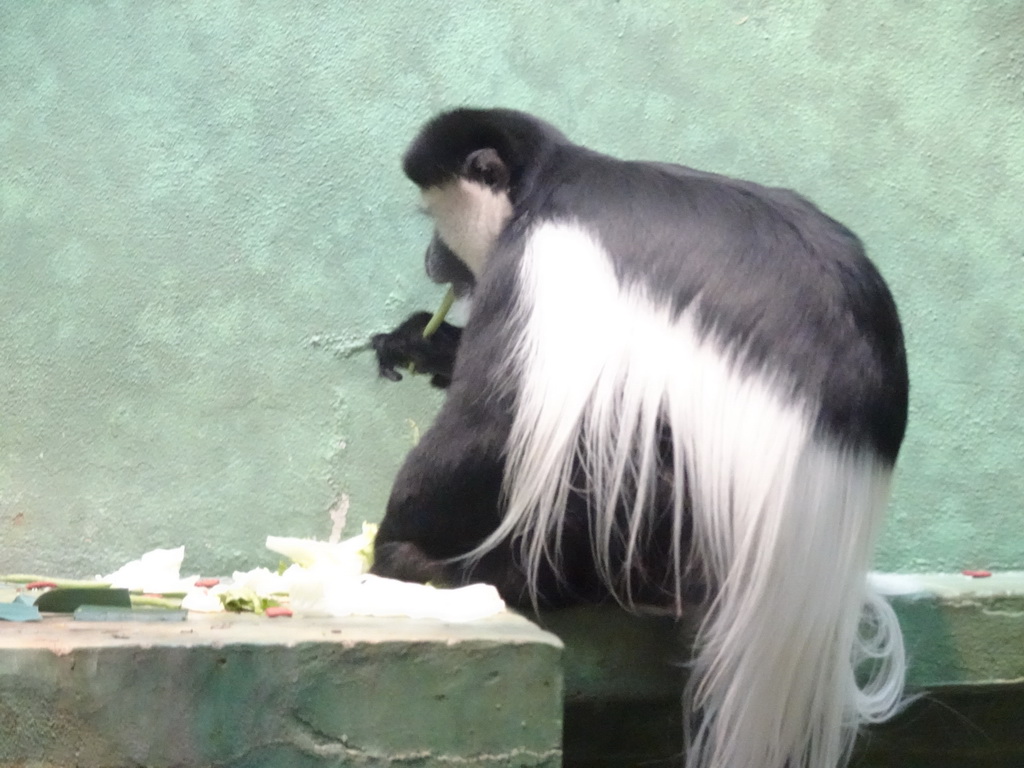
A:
<point x="202" y="219"/>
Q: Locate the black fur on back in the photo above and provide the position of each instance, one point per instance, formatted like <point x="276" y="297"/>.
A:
<point x="777" y="281"/>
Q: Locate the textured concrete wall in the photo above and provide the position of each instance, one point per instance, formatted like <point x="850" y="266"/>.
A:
<point x="202" y="218"/>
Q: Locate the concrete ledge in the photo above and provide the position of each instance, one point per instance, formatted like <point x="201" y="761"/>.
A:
<point x="965" y="638"/>
<point x="958" y="631"/>
<point x="250" y="691"/>
<point x="962" y="631"/>
<point x="247" y="691"/>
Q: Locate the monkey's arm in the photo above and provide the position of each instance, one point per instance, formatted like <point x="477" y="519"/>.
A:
<point x="405" y="347"/>
<point x="445" y="498"/>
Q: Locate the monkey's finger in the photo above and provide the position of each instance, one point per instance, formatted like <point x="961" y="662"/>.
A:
<point x="389" y="373"/>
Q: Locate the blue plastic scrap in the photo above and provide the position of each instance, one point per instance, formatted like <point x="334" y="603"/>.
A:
<point x="19" y="609"/>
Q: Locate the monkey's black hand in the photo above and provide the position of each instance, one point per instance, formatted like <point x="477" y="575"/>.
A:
<point x="405" y="347"/>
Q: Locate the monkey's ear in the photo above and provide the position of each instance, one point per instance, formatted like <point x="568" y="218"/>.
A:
<point x="486" y="167"/>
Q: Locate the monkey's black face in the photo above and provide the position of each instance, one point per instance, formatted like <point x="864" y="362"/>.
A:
<point x="469" y="208"/>
<point x="468" y="217"/>
<point x="443" y="266"/>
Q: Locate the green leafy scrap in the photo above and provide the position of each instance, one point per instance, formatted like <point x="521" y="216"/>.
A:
<point x="247" y="603"/>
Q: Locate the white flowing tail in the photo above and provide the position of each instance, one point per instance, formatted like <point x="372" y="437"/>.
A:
<point x="784" y="520"/>
<point x="774" y="683"/>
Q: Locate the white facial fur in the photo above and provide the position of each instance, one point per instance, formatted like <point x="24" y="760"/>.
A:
<point x="468" y="216"/>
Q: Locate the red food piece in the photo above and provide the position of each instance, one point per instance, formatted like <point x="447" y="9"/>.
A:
<point x="278" y="610"/>
<point x="207" y="582"/>
<point x="977" y="574"/>
<point x="41" y="585"/>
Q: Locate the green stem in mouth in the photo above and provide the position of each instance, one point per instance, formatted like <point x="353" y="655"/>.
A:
<point x="438" y="318"/>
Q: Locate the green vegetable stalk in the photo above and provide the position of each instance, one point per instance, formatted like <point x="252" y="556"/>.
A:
<point x="439" y="315"/>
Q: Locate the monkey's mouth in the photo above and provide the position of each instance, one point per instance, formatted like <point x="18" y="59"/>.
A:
<point x="443" y="266"/>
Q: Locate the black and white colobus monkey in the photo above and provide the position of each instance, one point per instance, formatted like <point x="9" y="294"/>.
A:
<point x="671" y="385"/>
